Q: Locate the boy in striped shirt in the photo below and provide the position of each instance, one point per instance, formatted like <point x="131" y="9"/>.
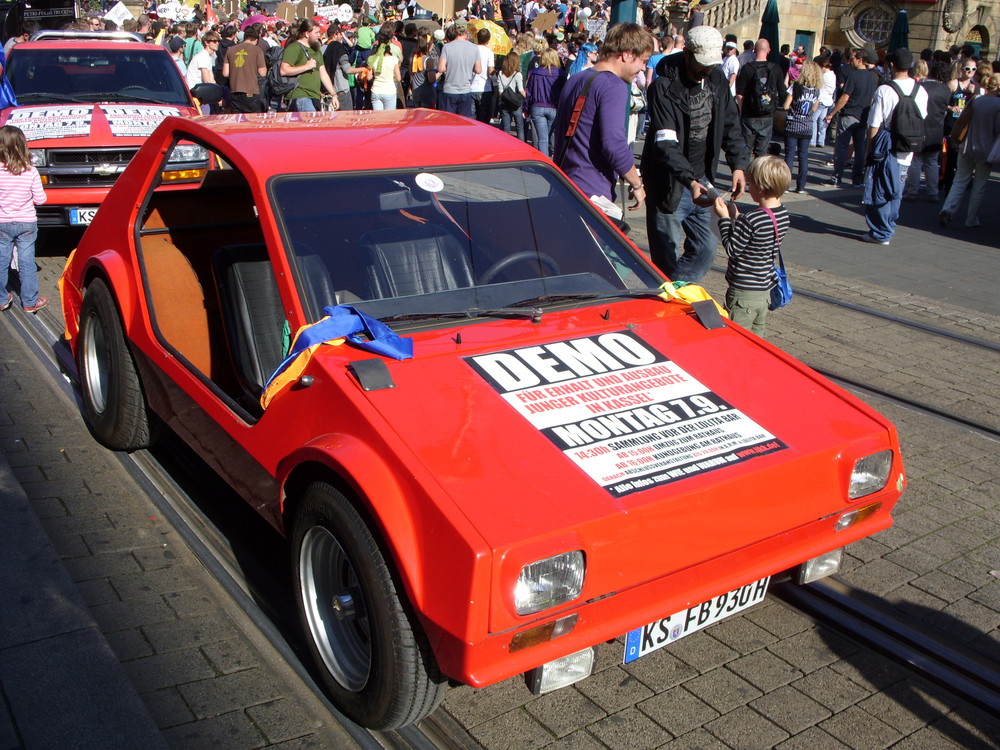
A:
<point x="752" y="241"/>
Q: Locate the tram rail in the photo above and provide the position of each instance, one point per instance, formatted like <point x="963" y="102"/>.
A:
<point x="256" y="588"/>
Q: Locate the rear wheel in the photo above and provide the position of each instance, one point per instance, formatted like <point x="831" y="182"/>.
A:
<point x="113" y="400"/>
<point x="373" y="656"/>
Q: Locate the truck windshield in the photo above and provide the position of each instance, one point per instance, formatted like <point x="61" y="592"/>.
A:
<point x="133" y="73"/>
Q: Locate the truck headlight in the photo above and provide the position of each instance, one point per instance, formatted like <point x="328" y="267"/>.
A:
<point x="870" y="474"/>
<point x="38" y="157"/>
<point x="549" y="582"/>
<point x="187" y="152"/>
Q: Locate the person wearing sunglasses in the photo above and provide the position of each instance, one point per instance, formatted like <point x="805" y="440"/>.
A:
<point x="962" y="87"/>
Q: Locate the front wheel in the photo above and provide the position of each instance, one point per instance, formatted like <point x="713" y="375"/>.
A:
<point x="373" y="656"/>
<point x="113" y="400"/>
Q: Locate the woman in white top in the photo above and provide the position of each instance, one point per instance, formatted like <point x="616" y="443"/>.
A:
<point x="385" y="68"/>
<point x="509" y="78"/>
<point x="201" y="68"/>
<point x="826" y="91"/>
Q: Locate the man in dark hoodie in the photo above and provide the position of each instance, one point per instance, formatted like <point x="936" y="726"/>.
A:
<point x="692" y="117"/>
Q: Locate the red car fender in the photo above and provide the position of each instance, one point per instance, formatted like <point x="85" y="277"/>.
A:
<point x="400" y="520"/>
<point x="114" y="269"/>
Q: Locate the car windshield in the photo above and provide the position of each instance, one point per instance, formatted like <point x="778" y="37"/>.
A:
<point x="450" y="242"/>
<point x="131" y="73"/>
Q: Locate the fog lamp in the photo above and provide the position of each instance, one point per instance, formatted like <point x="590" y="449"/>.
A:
<point x="543" y="633"/>
<point x="870" y="474"/>
<point x="561" y="672"/>
<point x="550" y="582"/>
<point x="821" y="567"/>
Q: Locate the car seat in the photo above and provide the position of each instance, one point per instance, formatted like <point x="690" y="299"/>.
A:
<point x="252" y="314"/>
<point x="414" y="259"/>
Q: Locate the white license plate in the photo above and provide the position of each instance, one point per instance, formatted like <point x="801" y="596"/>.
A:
<point x="81" y="216"/>
<point x="660" y="633"/>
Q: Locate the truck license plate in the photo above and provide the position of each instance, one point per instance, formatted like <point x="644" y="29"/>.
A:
<point x="81" y="216"/>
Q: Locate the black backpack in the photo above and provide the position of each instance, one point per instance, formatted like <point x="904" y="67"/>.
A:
<point x="907" y="123"/>
<point x="759" y="100"/>
<point x="277" y="84"/>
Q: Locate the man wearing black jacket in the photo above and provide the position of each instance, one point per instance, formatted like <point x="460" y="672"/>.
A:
<point x="692" y="117"/>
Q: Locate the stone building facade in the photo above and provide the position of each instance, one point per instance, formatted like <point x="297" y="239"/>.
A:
<point x="839" y="23"/>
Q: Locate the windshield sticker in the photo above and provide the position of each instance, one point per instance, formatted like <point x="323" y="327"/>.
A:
<point x="52" y="122"/>
<point x="430" y="182"/>
<point x="625" y="414"/>
<point x="135" y="120"/>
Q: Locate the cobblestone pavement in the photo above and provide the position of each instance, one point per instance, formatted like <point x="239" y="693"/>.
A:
<point x="206" y="675"/>
<point x="768" y="678"/>
<point x="772" y="678"/>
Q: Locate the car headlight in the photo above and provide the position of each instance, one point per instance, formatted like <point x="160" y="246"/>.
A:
<point x="550" y="582"/>
<point x="870" y="474"/>
<point x="187" y="152"/>
<point x="38" y="157"/>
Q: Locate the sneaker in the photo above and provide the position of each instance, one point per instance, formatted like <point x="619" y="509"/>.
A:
<point x="835" y="181"/>
<point x="801" y="191"/>
<point x="872" y="240"/>
<point x="944" y="218"/>
<point x="6" y="305"/>
<point x="42" y="302"/>
<point x="828" y="164"/>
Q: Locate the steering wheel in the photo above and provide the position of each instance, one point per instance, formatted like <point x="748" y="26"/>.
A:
<point x="525" y="255"/>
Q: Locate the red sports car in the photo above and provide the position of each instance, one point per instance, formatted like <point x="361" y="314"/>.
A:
<point x="492" y="438"/>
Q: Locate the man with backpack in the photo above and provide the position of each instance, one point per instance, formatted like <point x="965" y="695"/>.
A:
<point x="899" y="108"/>
<point x="303" y="61"/>
<point x="759" y="88"/>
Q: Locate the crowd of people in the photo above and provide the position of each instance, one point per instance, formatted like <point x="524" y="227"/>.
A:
<point x="692" y="97"/>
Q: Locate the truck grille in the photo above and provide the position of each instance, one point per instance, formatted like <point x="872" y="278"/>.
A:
<point x="72" y="167"/>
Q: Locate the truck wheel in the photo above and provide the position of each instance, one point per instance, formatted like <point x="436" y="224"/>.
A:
<point x="373" y="656"/>
<point x="113" y="400"/>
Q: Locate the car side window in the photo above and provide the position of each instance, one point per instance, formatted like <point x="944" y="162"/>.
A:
<point x="209" y="282"/>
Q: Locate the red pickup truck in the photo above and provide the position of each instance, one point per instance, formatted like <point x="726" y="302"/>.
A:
<point x="86" y="102"/>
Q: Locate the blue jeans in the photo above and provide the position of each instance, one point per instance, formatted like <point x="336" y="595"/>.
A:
<point x="542" y="119"/>
<point x="850" y="129"/>
<point x="798" y="144"/>
<point x="506" y="116"/>
<point x="20" y="235"/>
<point x="383" y="101"/>
<point x="303" y="104"/>
<point x="882" y="219"/>
<point x="820" y="126"/>
<point x="664" y="231"/>
<point x="460" y="104"/>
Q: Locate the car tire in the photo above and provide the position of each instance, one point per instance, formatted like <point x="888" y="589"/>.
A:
<point x="113" y="400"/>
<point x="373" y="656"/>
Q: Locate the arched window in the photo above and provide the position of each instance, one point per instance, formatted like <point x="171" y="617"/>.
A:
<point x="874" y="25"/>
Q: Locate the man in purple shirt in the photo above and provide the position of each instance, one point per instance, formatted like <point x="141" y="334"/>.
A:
<point x="598" y="152"/>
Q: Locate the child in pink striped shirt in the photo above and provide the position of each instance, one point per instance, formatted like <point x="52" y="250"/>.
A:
<point x="20" y="191"/>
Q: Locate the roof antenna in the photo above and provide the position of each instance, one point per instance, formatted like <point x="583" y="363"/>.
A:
<point x="458" y="338"/>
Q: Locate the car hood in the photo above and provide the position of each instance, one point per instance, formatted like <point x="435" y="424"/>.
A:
<point x="531" y="428"/>
<point x="71" y="125"/>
